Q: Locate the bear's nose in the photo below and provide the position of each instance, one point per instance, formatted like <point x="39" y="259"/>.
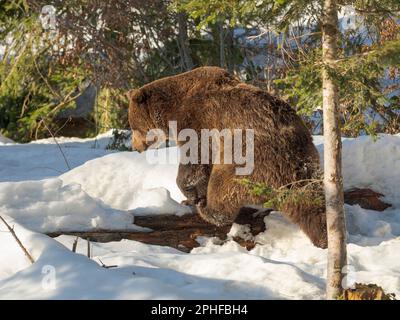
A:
<point x="140" y="148"/>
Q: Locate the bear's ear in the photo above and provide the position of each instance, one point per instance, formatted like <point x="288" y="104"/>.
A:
<point x="129" y="94"/>
<point x="137" y="95"/>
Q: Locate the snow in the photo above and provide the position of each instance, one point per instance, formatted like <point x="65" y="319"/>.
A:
<point x="75" y="275"/>
<point x="42" y="159"/>
<point x="126" y="181"/>
<point x="48" y="206"/>
<point x="5" y="140"/>
<point x="104" y="189"/>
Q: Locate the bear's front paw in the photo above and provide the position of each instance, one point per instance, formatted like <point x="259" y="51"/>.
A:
<point x="201" y="202"/>
<point x="195" y="202"/>
<point x="188" y="202"/>
<point x="262" y="213"/>
<point x="214" y="217"/>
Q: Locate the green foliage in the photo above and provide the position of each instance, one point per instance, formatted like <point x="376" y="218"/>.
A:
<point x="34" y="87"/>
<point x="359" y="79"/>
<point x="209" y="12"/>
<point x="110" y="110"/>
<point x="119" y="140"/>
<point x="308" y="191"/>
<point x="302" y="83"/>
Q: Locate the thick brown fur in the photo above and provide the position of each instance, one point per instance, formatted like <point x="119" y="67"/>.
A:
<point x="192" y="180"/>
<point x="208" y="97"/>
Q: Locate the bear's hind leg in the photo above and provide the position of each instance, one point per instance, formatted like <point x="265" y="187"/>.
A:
<point x="311" y="218"/>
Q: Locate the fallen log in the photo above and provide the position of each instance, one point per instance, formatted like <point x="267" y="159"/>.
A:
<point x="365" y="198"/>
<point x="172" y="222"/>
<point x="183" y="239"/>
<point x="180" y="232"/>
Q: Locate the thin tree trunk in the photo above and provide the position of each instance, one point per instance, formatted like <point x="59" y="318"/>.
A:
<point x="184" y="41"/>
<point x="221" y="45"/>
<point x="230" y="50"/>
<point x="333" y="181"/>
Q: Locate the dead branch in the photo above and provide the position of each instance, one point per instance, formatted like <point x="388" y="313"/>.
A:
<point x="18" y="241"/>
<point x="105" y="266"/>
<point x="59" y="147"/>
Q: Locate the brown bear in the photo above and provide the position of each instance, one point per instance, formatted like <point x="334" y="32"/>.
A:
<point x="192" y="180"/>
<point x="211" y="98"/>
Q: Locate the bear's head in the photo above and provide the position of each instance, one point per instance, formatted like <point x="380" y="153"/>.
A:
<point x="148" y="107"/>
<point x="156" y="103"/>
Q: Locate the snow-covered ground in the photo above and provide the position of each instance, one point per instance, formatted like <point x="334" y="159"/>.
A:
<point x="4" y="140"/>
<point x="105" y="189"/>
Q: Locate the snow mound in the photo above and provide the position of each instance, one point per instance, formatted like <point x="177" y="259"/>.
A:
<point x="146" y="272"/>
<point x="373" y="164"/>
<point x="48" y="206"/>
<point x="58" y="273"/>
<point x="95" y="195"/>
<point x="127" y="181"/>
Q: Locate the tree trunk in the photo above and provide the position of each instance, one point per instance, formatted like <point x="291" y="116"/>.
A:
<point x="230" y="45"/>
<point x="333" y="181"/>
<point x="184" y="42"/>
<point x="221" y="32"/>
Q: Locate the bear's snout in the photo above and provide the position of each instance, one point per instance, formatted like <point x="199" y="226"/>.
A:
<point x="138" y="142"/>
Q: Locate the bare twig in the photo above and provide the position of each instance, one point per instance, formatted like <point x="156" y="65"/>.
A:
<point x="45" y="80"/>
<point x="18" y="241"/>
<point x="107" y="267"/>
<point x="62" y="127"/>
<point x="59" y="147"/>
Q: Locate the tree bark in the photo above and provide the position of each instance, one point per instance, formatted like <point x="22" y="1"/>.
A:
<point x="221" y="32"/>
<point x="230" y="45"/>
<point x="184" y="41"/>
<point x="333" y="181"/>
<point x="179" y="232"/>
